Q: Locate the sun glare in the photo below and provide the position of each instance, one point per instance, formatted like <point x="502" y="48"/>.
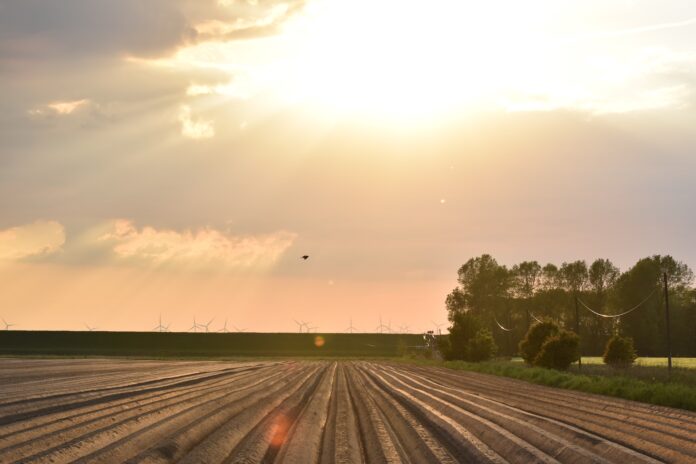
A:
<point x="394" y="58"/>
<point x="387" y="59"/>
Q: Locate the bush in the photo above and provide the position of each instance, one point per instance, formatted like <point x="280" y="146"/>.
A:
<point x="619" y="352"/>
<point x="444" y="347"/>
<point x="468" y="340"/>
<point x="464" y="328"/>
<point x="559" y="351"/>
<point x="537" y="334"/>
<point x="482" y="347"/>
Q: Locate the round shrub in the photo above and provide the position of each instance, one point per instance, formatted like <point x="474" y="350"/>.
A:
<point x="537" y="334"/>
<point x="482" y="347"/>
<point x="559" y="351"/>
<point x="619" y="352"/>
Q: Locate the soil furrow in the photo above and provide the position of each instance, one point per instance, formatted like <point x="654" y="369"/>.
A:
<point x="316" y="412"/>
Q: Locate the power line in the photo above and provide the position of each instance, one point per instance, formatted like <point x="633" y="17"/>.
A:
<point x="501" y="326"/>
<point x="620" y="314"/>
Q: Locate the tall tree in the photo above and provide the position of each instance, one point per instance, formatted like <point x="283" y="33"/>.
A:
<point x="482" y="283"/>
<point x="550" y="277"/>
<point x="526" y="277"/>
<point x="602" y="276"/>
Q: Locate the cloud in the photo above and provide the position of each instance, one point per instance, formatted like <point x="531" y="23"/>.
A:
<point x="30" y="240"/>
<point x="36" y="30"/>
<point x="650" y="78"/>
<point x="199" y="249"/>
<point x="634" y="30"/>
<point x="265" y="21"/>
<point x="60" y="108"/>
<point x="195" y="129"/>
<point x="241" y="87"/>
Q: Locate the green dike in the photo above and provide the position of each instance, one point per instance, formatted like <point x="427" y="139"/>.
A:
<point x="678" y="393"/>
<point x="204" y="345"/>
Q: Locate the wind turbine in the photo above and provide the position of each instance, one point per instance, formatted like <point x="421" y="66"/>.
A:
<point x="437" y="327"/>
<point x="207" y="326"/>
<point x="7" y="325"/>
<point x="350" y="328"/>
<point x="195" y="326"/>
<point x="403" y="329"/>
<point x="310" y="329"/>
<point x="238" y="329"/>
<point x="224" y="327"/>
<point x="299" y="325"/>
<point x="381" y="326"/>
<point x="160" y="327"/>
<point x="90" y="329"/>
<point x="306" y="325"/>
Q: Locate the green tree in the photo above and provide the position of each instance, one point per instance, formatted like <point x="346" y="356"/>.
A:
<point x="482" y="347"/>
<point x="468" y="340"/>
<point x="482" y="283"/>
<point x="550" y="278"/>
<point x="602" y="276"/>
<point x="559" y="351"/>
<point x="464" y="328"/>
<point x="647" y="325"/>
<point x="525" y="281"/>
<point x="619" y="352"/>
<point x="534" y="340"/>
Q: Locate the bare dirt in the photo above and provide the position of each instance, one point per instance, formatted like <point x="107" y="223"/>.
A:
<point x="104" y="411"/>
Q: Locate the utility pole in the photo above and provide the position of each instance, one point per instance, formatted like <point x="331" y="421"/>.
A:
<point x="669" y="336"/>
<point x="577" y="331"/>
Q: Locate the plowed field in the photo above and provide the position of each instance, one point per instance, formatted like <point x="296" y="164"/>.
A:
<point x="308" y="412"/>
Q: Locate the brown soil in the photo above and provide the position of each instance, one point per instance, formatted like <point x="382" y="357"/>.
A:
<point x="57" y="411"/>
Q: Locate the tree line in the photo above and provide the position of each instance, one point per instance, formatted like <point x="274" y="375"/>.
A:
<point x="509" y="300"/>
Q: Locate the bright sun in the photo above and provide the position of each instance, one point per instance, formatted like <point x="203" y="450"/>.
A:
<point x="399" y="58"/>
<point x="393" y="59"/>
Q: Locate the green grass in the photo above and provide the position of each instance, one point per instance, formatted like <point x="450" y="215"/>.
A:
<point x="647" y="384"/>
<point x="687" y="363"/>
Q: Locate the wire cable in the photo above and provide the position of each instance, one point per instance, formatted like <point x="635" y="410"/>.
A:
<point x="620" y="314"/>
<point x="501" y="326"/>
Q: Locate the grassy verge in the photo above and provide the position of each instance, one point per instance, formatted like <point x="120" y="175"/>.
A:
<point x="678" y="393"/>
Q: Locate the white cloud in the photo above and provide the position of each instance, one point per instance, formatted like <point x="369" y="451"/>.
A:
<point x="195" y="129"/>
<point x="38" y="238"/>
<point x="241" y="88"/>
<point x="60" y="108"/>
<point x="202" y="248"/>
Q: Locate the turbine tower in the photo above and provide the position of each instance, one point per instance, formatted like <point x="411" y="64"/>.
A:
<point x="299" y="325"/>
<point x="7" y="324"/>
<point x="160" y="327"/>
<point x="437" y="327"/>
<point x="207" y="326"/>
<point x="380" y="328"/>
<point x="350" y="328"/>
<point x="90" y="329"/>
<point x="224" y="327"/>
<point x="195" y="326"/>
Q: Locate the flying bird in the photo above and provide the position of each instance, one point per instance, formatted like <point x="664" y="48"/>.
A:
<point x="305" y="257"/>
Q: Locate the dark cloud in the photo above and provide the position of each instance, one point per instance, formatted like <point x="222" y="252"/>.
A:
<point x="36" y="29"/>
<point x="73" y="29"/>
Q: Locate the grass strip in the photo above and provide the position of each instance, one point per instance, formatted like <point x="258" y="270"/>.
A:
<point x="671" y="394"/>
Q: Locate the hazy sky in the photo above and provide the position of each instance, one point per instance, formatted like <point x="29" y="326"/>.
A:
<point x="178" y="157"/>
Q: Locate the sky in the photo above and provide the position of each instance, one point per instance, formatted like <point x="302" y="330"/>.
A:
<point x="177" y="157"/>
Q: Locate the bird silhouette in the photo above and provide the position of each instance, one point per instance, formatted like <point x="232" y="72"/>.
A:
<point x="305" y="257"/>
